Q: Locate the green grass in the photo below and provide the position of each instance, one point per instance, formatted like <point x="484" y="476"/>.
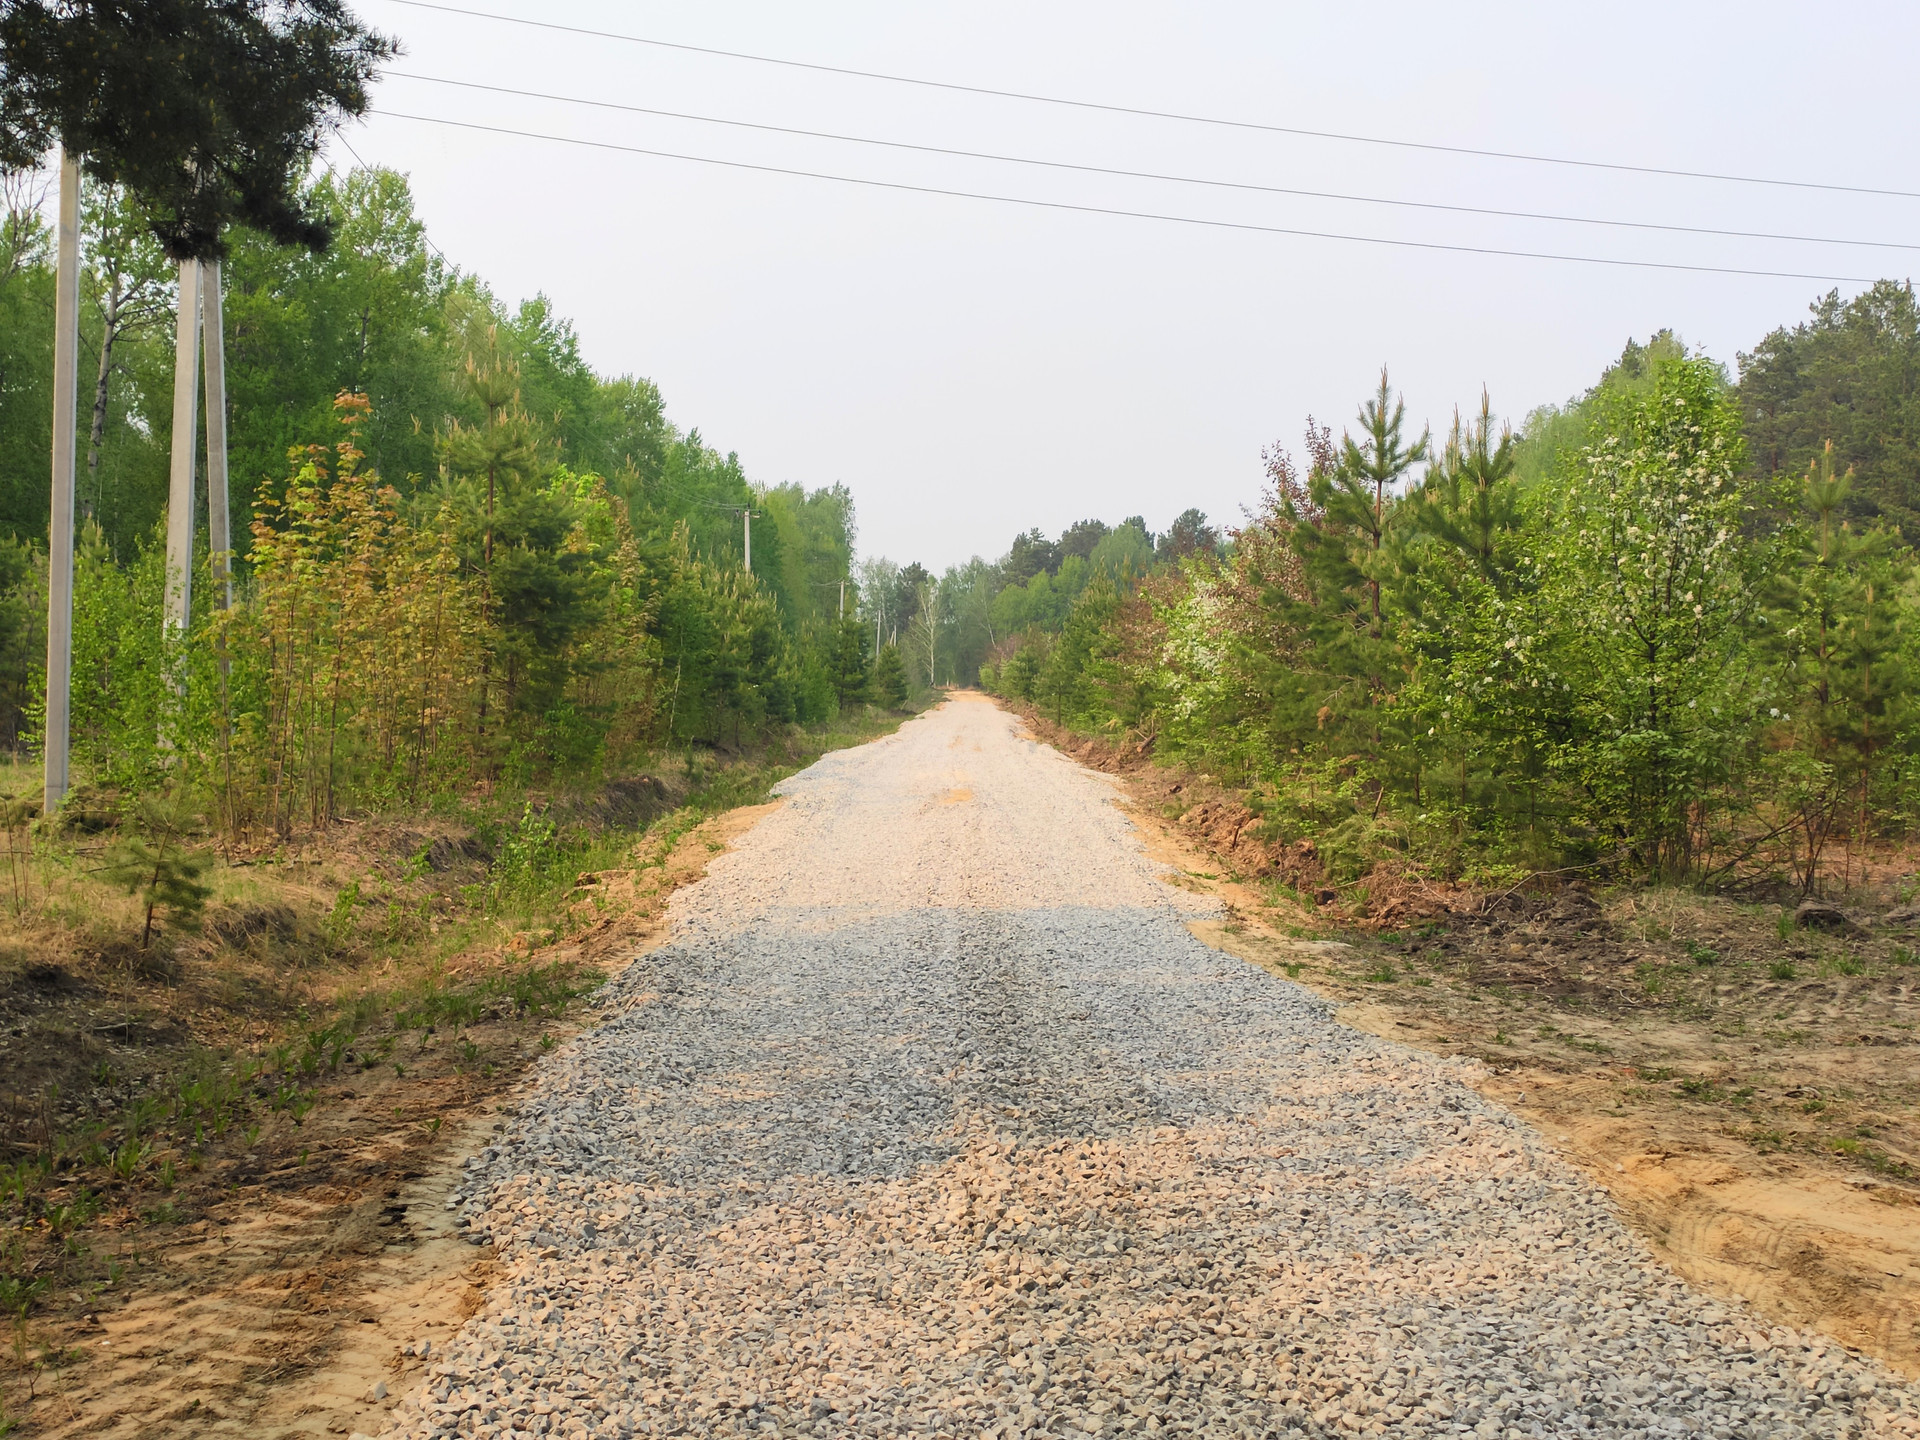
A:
<point x="1875" y="1159"/>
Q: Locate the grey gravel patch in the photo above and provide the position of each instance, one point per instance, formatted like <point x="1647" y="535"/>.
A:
<point x="933" y="1119"/>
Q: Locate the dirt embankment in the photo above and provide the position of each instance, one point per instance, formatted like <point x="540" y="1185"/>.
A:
<point x="1745" y="1088"/>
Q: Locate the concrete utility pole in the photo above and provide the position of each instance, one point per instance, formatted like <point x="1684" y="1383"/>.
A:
<point x="178" y="605"/>
<point x="843" y="597"/>
<point x="214" y="346"/>
<point x="746" y="521"/>
<point x="199" y="339"/>
<point x="66" y="355"/>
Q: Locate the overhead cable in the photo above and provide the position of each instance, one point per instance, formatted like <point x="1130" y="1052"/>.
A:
<point x="1155" y="175"/>
<point x="364" y="166"/>
<point x="1130" y="214"/>
<point x="1184" y="117"/>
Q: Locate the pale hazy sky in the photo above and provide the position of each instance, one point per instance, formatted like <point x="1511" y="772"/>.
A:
<point x="970" y="369"/>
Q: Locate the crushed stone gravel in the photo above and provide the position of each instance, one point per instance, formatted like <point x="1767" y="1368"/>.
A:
<point x="933" y="1119"/>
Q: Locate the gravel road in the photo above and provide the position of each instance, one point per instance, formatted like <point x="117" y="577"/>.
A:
<point x="933" y="1119"/>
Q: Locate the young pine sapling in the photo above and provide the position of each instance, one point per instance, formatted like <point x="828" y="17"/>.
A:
<point x="156" y="864"/>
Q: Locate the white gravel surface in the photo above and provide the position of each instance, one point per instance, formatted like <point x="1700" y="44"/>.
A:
<point x="933" y="1119"/>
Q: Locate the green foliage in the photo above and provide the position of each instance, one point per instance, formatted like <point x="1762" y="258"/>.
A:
<point x="1606" y="641"/>
<point x="471" y="558"/>
<point x="849" y="662"/>
<point x="1022" y="671"/>
<point x="1346" y="537"/>
<point x="1631" y="666"/>
<point x="526" y="859"/>
<point x="1068" y="683"/>
<point x="26" y="355"/>
<point x="1848" y="378"/>
<point x="156" y="864"/>
<point x="282" y="74"/>
<point x="1189" y="535"/>
<point x="1836" y="633"/>
<point x="888" y="686"/>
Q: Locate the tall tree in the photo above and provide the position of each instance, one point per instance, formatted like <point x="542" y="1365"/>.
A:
<point x="1469" y="501"/>
<point x="1849" y="375"/>
<point x="207" y="111"/>
<point x="1080" y="537"/>
<point x="1836" y="628"/>
<point x="26" y="354"/>
<point x="1189" y="534"/>
<point x="131" y="290"/>
<point x="1655" y="576"/>
<point x="1358" y="492"/>
<point x="1029" y="554"/>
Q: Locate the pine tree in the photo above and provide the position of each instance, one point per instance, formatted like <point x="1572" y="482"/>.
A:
<point x="848" y="661"/>
<point x="208" y="111"/>
<point x="156" y="865"/>
<point x="1469" y="501"/>
<point x="1356" y="494"/>
<point x="1842" y="656"/>
<point x="1017" y="676"/>
<point x="889" y="683"/>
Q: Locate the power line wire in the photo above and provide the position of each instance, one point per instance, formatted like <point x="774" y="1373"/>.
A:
<point x="1131" y="214"/>
<point x="425" y="238"/>
<point x="1183" y="117"/>
<point x="1155" y="175"/>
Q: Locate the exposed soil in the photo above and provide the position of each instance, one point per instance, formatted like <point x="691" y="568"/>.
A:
<point x="287" y="1287"/>
<point x="1745" y="1088"/>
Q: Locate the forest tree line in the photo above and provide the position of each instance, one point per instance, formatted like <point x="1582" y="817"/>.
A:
<point x="1666" y="625"/>
<point x="1668" y="628"/>
<point x="460" y="553"/>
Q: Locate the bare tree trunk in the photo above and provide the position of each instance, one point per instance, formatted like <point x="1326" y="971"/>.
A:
<point x="109" y="333"/>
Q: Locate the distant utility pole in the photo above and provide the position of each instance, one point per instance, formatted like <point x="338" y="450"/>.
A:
<point x="746" y="522"/>
<point x="66" y="355"/>
<point x="843" y="597"/>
